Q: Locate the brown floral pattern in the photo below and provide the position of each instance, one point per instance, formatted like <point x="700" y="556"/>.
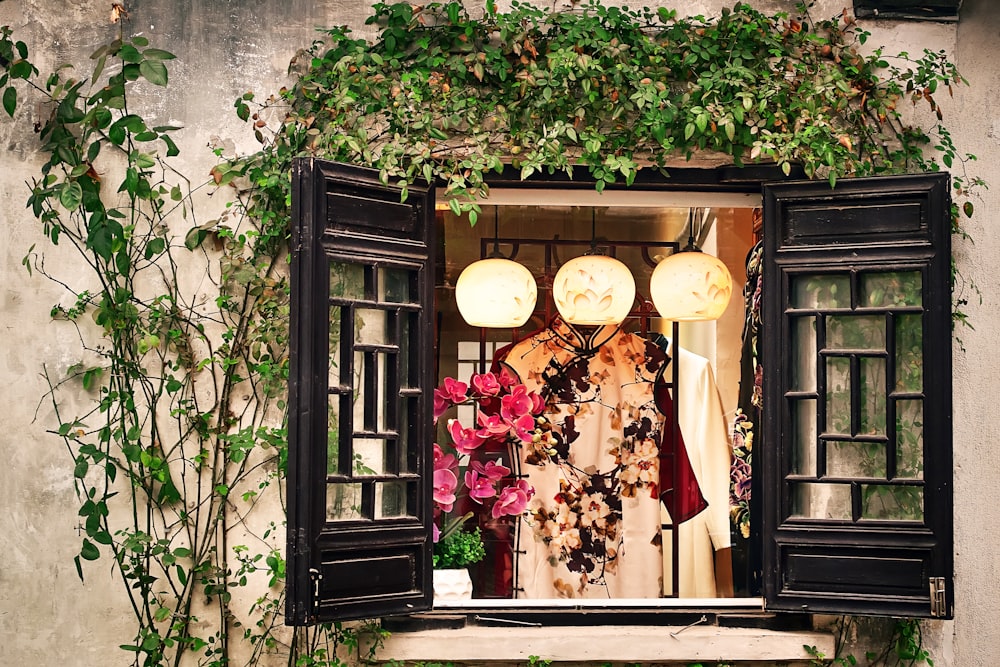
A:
<point x="595" y="513"/>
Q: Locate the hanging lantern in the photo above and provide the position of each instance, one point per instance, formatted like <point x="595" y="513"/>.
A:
<point x="496" y="293"/>
<point x="593" y="289"/>
<point x="690" y="286"/>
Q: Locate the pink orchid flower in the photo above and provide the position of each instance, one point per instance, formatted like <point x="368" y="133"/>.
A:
<point x="450" y="393"/>
<point x="480" y="488"/>
<point x="481" y="479"/>
<point x="486" y="384"/>
<point x="491" y="426"/>
<point x="443" y="461"/>
<point x="524" y="428"/>
<point x="513" y="500"/>
<point x="516" y="404"/>
<point x="506" y="379"/>
<point x="466" y="439"/>
<point x="445" y="483"/>
<point x="493" y="470"/>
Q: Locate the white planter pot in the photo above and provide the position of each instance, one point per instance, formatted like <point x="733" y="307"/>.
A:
<point x="453" y="584"/>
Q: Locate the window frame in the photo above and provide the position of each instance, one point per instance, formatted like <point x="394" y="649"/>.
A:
<point x="305" y="525"/>
<point x="325" y="561"/>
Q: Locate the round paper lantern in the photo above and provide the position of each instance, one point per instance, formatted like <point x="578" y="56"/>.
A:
<point x="593" y="289"/>
<point x="496" y="293"/>
<point x="690" y="286"/>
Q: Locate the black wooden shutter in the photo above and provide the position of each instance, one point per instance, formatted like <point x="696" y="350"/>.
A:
<point x="857" y="415"/>
<point x="359" y="497"/>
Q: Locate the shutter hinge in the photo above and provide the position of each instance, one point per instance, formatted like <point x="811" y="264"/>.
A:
<point x="316" y="577"/>
<point x="939" y="604"/>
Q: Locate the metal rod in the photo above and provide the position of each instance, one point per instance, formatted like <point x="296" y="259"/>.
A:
<point x="703" y="619"/>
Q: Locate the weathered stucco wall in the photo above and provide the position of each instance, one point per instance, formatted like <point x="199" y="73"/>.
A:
<point x="227" y="47"/>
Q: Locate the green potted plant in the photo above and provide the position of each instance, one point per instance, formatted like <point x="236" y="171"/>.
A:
<point x="453" y="554"/>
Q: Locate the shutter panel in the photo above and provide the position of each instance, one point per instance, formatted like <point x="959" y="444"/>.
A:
<point x="857" y="388"/>
<point x="360" y="383"/>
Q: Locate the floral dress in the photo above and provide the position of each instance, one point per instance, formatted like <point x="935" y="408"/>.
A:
<point x="594" y="526"/>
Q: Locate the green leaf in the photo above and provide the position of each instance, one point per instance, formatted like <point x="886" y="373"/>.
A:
<point x="144" y="161"/>
<point x="154" y="247"/>
<point x="129" y="54"/>
<point x="88" y="551"/>
<point x="80" y="471"/>
<point x="99" y="68"/>
<point x="968" y="209"/>
<point x="172" y="149"/>
<point x="70" y="195"/>
<point x="10" y="100"/>
<point x="154" y="71"/>
<point x="194" y="237"/>
<point x="158" y="54"/>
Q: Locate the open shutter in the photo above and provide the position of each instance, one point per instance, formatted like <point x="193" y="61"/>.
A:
<point x="360" y="432"/>
<point x="856" y="455"/>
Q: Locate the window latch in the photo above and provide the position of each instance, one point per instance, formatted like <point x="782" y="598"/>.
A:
<point x="938" y="597"/>
<point x="315" y="575"/>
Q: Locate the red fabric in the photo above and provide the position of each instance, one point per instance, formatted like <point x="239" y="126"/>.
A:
<point x="679" y="488"/>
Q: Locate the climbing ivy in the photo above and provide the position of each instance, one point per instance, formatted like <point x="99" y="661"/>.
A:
<point x="447" y="97"/>
<point x="180" y="453"/>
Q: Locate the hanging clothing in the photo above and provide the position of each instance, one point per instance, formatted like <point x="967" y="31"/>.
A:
<point x="703" y="424"/>
<point x="594" y="525"/>
<point x="746" y="435"/>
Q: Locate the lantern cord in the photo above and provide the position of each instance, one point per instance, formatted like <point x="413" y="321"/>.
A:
<point x="496" y="233"/>
<point x="593" y="231"/>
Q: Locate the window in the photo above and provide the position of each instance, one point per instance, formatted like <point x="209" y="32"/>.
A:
<point x="934" y="10"/>
<point x="853" y="473"/>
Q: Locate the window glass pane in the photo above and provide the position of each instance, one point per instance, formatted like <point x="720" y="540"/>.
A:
<point x="394" y="286"/>
<point x="370" y="457"/>
<point x="872" y="396"/>
<point x="910" y="439"/>
<point x="390" y="500"/>
<point x="343" y="502"/>
<point x="370" y="327"/>
<point x="804" y="430"/>
<point x="855" y="459"/>
<point x="804" y="354"/>
<point x="855" y="332"/>
<point x="408" y="373"/>
<point x="821" y="501"/>
<point x="821" y="291"/>
<point x="909" y="355"/>
<point x="347" y="280"/>
<point x="388" y="392"/>
<point x="891" y="289"/>
<point x="333" y="377"/>
<point x="406" y="435"/>
<point x="892" y="503"/>
<point x="333" y="435"/>
<point x="357" y="383"/>
<point x="838" y="395"/>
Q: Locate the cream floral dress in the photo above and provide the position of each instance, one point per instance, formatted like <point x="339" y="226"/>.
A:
<point x="593" y="528"/>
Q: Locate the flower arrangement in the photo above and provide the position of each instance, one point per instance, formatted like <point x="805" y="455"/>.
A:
<point x="508" y="417"/>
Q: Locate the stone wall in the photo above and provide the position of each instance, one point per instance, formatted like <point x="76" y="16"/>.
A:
<point x="225" y="47"/>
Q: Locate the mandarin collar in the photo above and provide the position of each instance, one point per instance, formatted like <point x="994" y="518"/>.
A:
<point x="582" y="339"/>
